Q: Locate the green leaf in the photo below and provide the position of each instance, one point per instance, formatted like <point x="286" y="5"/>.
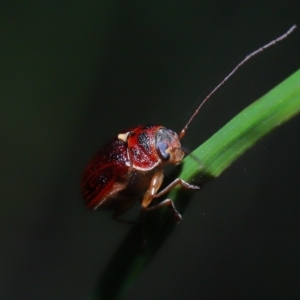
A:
<point x="216" y="154"/>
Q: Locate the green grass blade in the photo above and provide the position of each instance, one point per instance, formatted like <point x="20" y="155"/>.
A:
<point x="216" y="154"/>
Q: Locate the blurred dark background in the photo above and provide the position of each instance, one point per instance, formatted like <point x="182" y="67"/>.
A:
<point x="73" y="74"/>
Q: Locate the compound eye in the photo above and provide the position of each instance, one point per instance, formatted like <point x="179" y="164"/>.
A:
<point x="161" y="147"/>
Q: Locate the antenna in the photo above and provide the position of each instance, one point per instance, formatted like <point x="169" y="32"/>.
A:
<point x="248" y="57"/>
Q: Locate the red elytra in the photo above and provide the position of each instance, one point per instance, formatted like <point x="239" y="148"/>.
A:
<point x="130" y="167"/>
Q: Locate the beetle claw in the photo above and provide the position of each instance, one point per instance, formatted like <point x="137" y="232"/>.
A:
<point x="195" y="187"/>
<point x="177" y="217"/>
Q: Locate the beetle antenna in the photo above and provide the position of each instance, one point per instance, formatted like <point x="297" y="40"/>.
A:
<point x="248" y="57"/>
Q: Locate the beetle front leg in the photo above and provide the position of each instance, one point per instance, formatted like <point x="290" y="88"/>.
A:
<point x="170" y="204"/>
<point x="154" y="186"/>
<point x="152" y="193"/>
<point x="177" y="181"/>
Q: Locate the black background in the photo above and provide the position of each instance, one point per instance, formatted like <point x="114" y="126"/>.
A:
<point x="75" y="73"/>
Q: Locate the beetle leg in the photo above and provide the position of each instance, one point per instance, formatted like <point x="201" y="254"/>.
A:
<point x="154" y="186"/>
<point x="151" y="193"/>
<point x="177" y="181"/>
<point x="170" y="204"/>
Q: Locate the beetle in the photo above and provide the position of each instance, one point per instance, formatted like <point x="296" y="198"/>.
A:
<point x="130" y="167"/>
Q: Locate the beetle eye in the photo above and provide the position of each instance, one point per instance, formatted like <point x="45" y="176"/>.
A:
<point x="161" y="147"/>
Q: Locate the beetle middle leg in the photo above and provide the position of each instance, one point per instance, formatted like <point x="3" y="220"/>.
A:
<point x="152" y="193"/>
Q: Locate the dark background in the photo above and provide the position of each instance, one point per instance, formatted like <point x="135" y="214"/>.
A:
<point x="75" y="73"/>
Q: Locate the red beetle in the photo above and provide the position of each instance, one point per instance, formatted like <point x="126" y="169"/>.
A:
<point x="130" y="167"/>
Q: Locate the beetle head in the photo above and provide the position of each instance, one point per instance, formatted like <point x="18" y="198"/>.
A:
<point x="168" y="146"/>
